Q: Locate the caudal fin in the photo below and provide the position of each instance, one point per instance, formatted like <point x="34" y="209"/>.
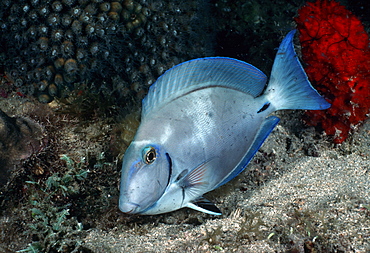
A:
<point x="289" y="87"/>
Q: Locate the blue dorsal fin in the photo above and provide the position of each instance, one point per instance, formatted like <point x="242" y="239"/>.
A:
<point x="267" y="126"/>
<point x="202" y="73"/>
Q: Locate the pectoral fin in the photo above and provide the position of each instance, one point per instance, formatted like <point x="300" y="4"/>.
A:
<point x="204" y="205"/>
<point x="195" y="182"/>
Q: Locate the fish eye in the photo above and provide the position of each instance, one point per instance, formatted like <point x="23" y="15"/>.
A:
<point x="149" y="155"/>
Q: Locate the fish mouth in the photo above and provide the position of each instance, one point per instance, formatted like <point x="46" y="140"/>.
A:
<point x="133" y="208"/>
<point x="129" y="207"/>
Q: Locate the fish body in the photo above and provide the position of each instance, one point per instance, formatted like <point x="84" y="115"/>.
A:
<point x="202" y="122"/>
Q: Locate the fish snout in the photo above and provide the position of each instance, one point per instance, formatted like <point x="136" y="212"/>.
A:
<point x="128" y="207"/>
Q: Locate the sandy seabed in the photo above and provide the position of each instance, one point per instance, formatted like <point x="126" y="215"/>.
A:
<point x="300" y="193"/>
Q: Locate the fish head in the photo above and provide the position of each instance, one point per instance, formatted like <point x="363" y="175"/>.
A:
<point x="146" y="172"/>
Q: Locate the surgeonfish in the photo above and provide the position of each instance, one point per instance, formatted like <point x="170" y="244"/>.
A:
<point x="202" y="122"/>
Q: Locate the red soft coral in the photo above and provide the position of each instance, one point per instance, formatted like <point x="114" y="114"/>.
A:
<point x="335" y="48"/>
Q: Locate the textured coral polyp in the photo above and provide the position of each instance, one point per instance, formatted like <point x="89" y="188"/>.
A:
<point x="335" y="48"/>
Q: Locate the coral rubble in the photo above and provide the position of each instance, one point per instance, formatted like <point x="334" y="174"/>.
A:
<point x="19" y="139"/>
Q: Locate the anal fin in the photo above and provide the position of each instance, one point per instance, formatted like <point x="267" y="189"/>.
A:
<point x="267" y="126"/>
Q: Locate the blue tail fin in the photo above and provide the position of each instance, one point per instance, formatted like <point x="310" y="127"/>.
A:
<point x="289" y="87"/>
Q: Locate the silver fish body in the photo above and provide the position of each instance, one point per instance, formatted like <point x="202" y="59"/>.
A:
<point x="202" y="122"/>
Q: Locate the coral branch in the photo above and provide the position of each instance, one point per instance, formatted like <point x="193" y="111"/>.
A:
<point x="335" y="48"/>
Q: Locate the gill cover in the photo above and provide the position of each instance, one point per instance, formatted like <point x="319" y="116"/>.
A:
<point x="144" y="178"/>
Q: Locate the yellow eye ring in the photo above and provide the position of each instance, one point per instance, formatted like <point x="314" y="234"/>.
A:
<point x="149" y="155"/>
